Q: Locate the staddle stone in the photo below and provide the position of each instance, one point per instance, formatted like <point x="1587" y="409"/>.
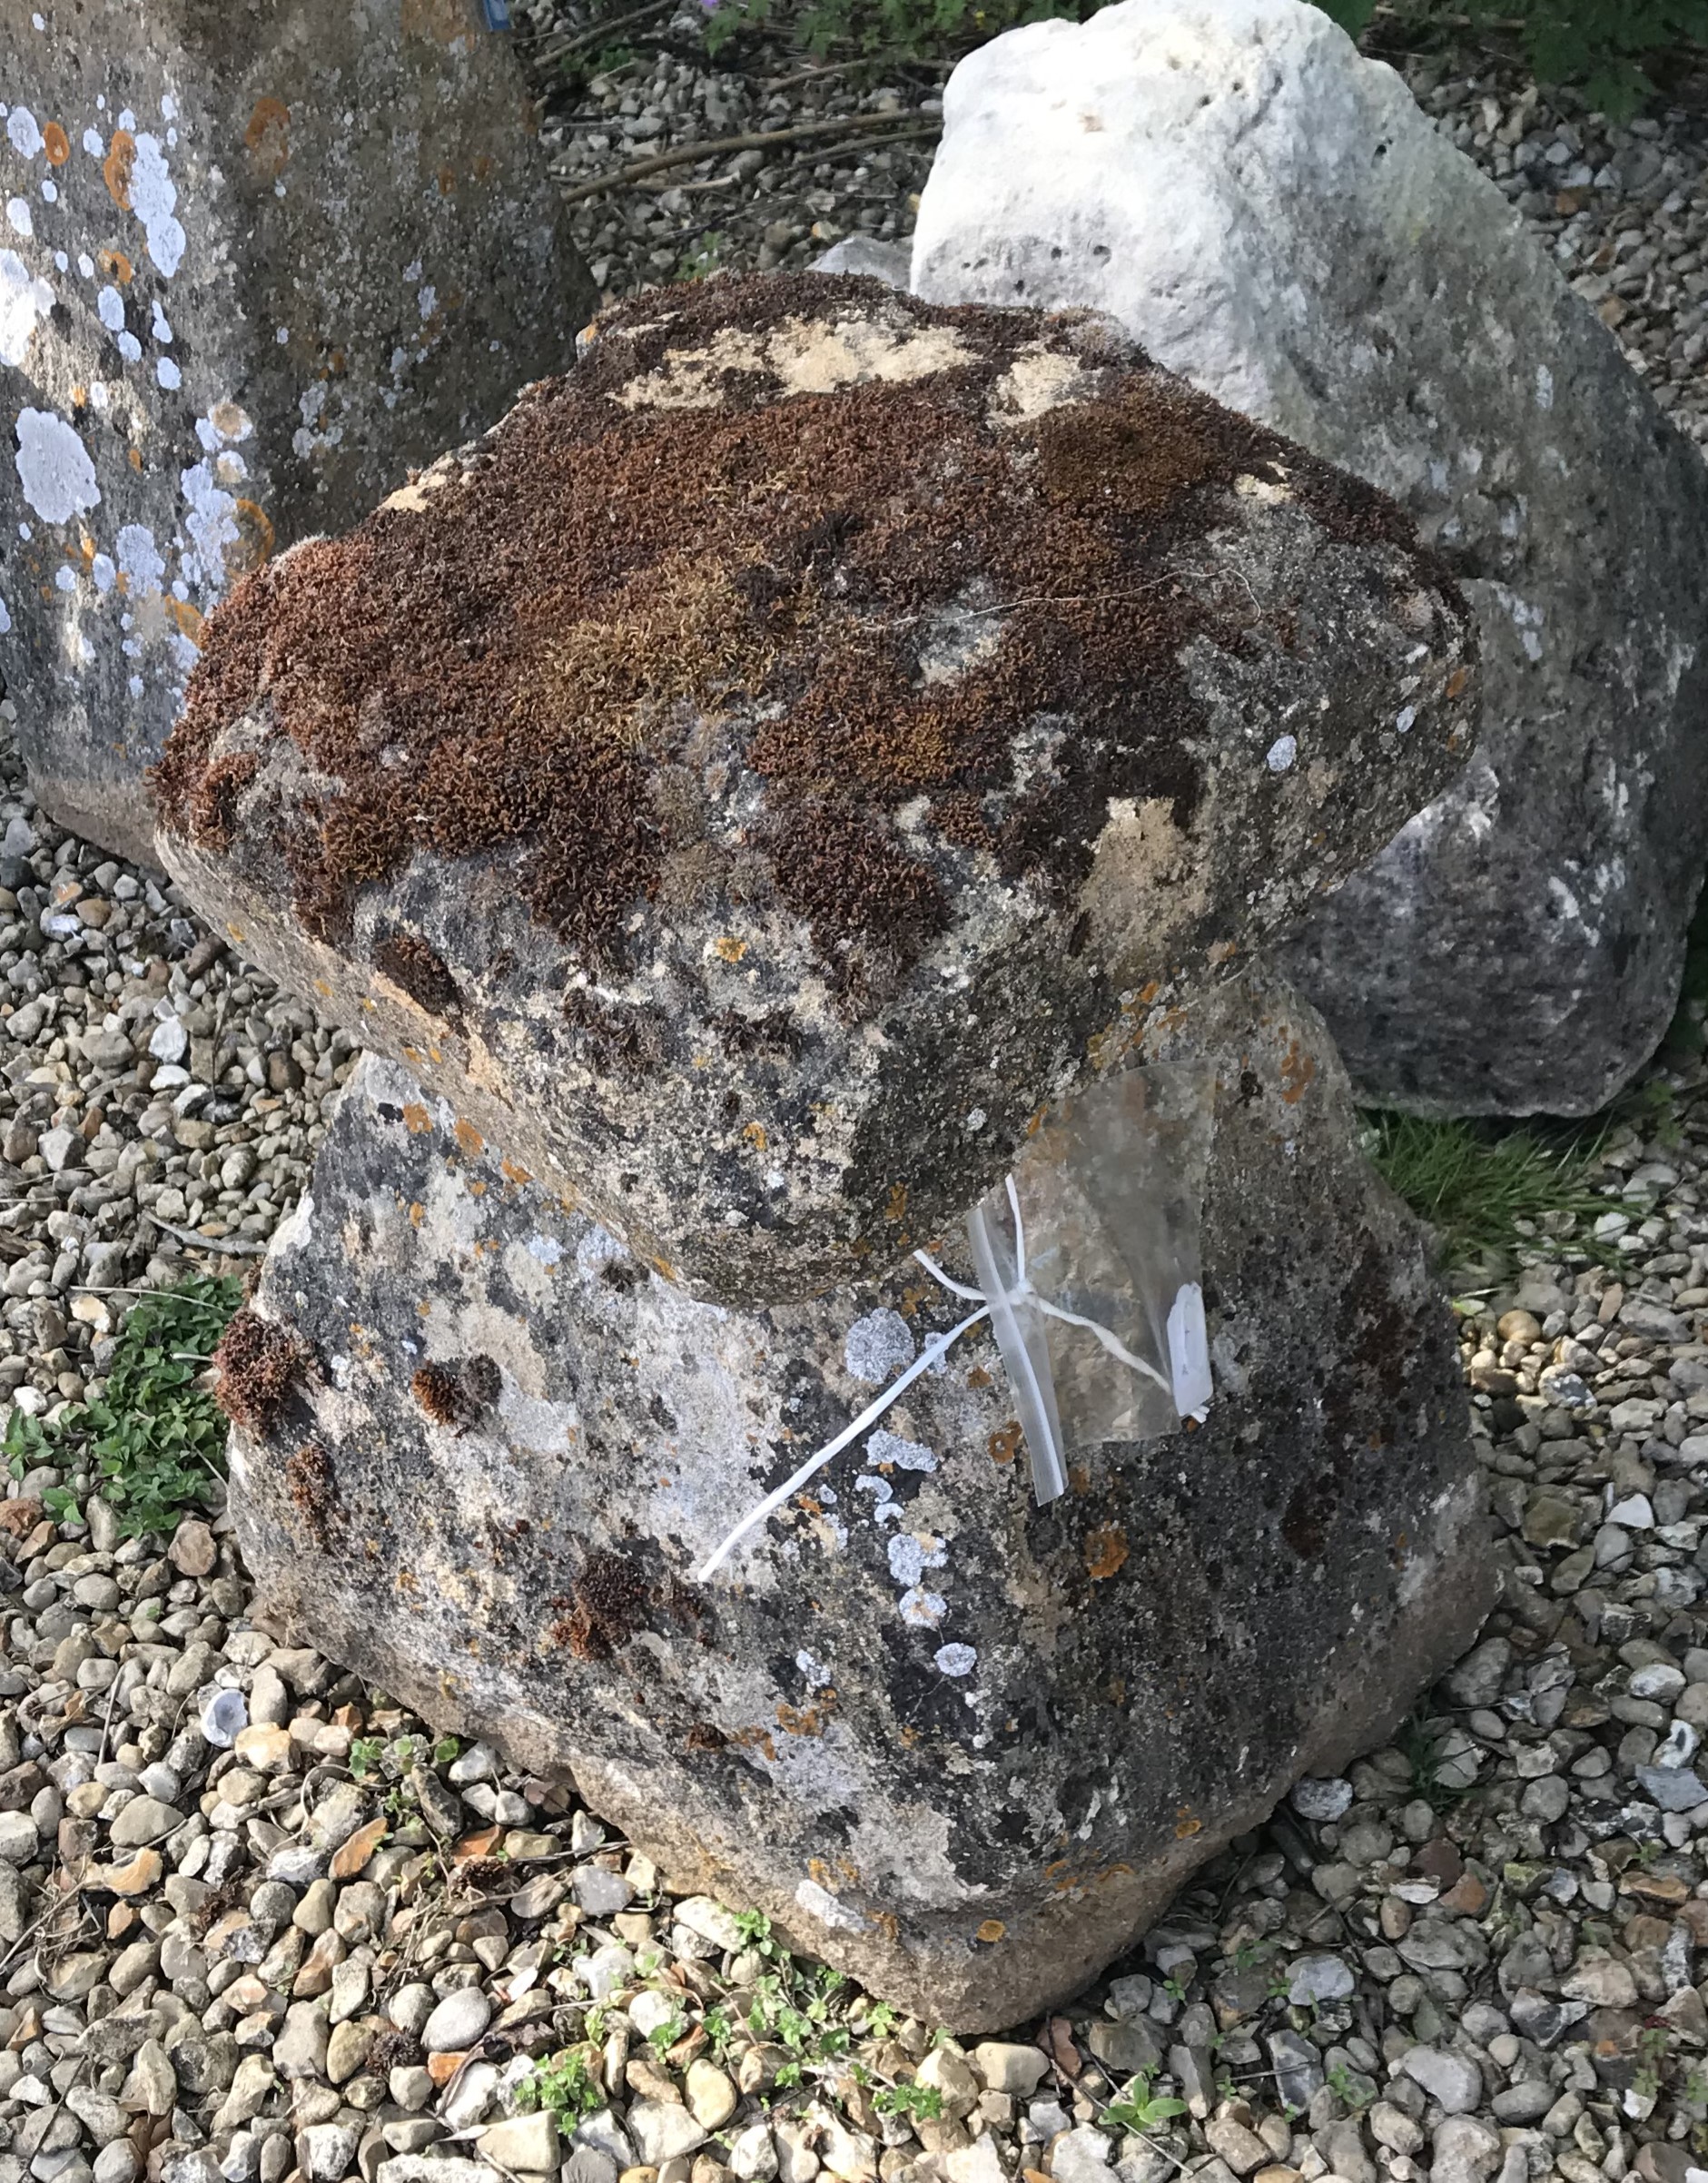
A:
<point x="1272" y="215"/>
<point x="959" y="1745"/>
<point x="256" y="260"/>
<point x="750" y="782"/>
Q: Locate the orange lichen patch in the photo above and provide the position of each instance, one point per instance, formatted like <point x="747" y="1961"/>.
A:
<point x="133" y="456"/>
<point x="991" y="1931"/>
<point x="267" y="138"/>
<point x="1186" y="1826"/>
<point x="1458" y="682"/>
<point x="566" y="642"/>
<point x="255" y="1366"/>
<point x="116" y="266"/>
<point x="1298" y="1069"/>
<point x="517" y="1177"/>
<point x="1004" y="1444"/>
<point x="57" y="145"/>
<point x="755" y="1132"/>
<point x="807" y="1720"/>
<point x="416" y="1121"/>
<point x="731" y="949"/>
<point x="254" y="539"/>
<point x="189" y="618"/>
<point x="418" y="1213"/>
<point x="117" y="168"/>
<point x="1106" y="1549"/>
<point x="470" y="1140"/>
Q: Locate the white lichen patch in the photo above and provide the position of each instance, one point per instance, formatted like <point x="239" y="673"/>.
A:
<point x="25" y="301"/>
<point x="877" y="1346"/>
<point x="154" y="200"/>
<point x="1038" y="379"/>
<point x="54" y="466"/>
<point x="799" y="357"/>
<point x="886" y="1446"/>
<point x="819" y="1902"/>
<point x="910" y="1556"/>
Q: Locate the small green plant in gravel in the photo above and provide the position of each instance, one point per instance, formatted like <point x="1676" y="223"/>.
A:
<point x="565" y="2086"/>
<point x="1139" y="2109"/>
<point x="154" y="1441"/>
<point x="663" y="2037"/>
<point x="704" y="260"/>
<point x="918" y="2102"/>
<point x="1474" y="1184"/>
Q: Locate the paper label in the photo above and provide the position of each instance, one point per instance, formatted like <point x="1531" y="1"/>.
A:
<point x="1188" y="1352"/>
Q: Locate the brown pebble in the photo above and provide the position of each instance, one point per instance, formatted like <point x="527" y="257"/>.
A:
<point x="193" y="1552"/>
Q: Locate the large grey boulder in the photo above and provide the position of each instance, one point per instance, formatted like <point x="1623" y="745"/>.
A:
<point x="256" y="261"/>
<point x="1270" y="214"/>
<point x="753" y="780"/>
<point x="963" y="1746"/>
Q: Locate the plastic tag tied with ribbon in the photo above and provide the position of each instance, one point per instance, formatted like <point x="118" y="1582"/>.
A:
<point x="1086" y="1260"/>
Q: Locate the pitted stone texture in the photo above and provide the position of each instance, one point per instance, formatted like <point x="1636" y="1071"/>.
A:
<point x="1272" y="216"/>
<point x="259" y="260"/>
<point x="961" y="1746"/>
<point x="750" y="782"/>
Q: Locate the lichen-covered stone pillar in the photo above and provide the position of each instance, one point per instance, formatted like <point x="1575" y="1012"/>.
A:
<point x="254" y="263"/>
<point x="960" y="1745"/>
<point x="754" y="793"/>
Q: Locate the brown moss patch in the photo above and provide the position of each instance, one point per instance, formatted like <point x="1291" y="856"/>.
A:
<point x="255" y="1366"/>
<point x="409" y="963"/>
<point x="312" y="1487"/>
<point x="616" y="608"/>
<point x="609" y="1602"/>
<point x="456" y="1395"/>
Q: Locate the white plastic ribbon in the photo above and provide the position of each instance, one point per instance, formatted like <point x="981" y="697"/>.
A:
<point x="1016" y="1311"/>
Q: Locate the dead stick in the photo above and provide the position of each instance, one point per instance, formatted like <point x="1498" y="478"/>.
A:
<point x="685" y="155"/>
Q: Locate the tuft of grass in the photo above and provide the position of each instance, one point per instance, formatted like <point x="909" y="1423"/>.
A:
<point x="155" y="1441"/>
<point x="1473" y="1182"/>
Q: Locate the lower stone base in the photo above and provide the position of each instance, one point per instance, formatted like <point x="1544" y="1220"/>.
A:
<point x="959" y="1745"/>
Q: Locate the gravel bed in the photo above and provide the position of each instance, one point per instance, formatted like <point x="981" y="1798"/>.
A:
<point x="331" y="1943"/>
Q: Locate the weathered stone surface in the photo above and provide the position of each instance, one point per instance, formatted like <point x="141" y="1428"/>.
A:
<point x="512" y="1445"/>
<point x="257" y="262"/>
<point x="1272" y="215"/>
<point x="751" y="782"/>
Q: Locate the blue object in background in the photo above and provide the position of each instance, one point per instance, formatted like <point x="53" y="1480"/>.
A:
<point x="496" y="12"/>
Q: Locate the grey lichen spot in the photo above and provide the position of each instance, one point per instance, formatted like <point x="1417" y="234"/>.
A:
<point x="878" y="1346"/>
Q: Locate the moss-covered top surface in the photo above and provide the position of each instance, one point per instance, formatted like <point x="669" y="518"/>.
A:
<point x="782" y="557"/>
